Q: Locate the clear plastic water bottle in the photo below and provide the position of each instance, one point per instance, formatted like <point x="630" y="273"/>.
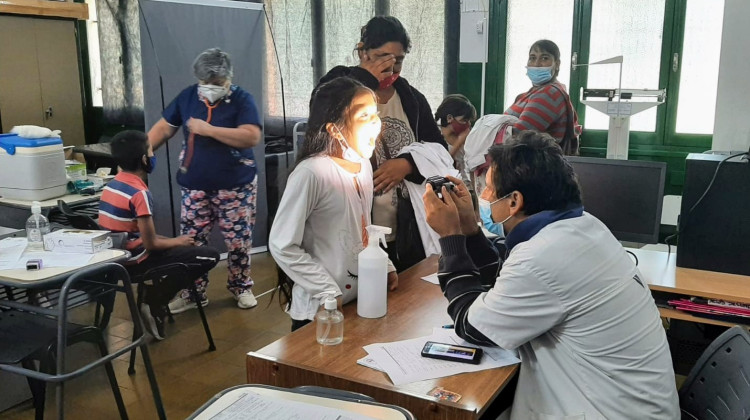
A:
<point x="330" y="323"/>
<point x="36" y="227"/>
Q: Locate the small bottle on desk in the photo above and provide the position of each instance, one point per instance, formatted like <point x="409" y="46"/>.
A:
<point x="36" y="227"/>
<point x="330" y="323"/>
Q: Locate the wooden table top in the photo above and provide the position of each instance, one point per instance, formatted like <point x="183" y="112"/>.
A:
<point x="414" y="309"/>
<point x="662" y="274"/>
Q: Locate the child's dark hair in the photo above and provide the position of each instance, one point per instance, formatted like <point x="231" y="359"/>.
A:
<point x="128" y="149"/>
<point x="381" y="30"/>
<point x="457" y="106"/>
<point x="329" y="104"/>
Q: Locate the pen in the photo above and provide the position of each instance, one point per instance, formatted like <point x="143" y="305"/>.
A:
<point x="450" y="326"/>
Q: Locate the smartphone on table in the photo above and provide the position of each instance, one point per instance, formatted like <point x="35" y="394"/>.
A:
<point x="452" y="352"/>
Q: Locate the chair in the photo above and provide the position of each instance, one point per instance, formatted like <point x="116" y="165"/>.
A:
<point x="298" y="135"/>
<point x="178" y="273"/>
<point x="78" y="221"/>
<point x="38" y="330"/>
<point x="717" y="387"/>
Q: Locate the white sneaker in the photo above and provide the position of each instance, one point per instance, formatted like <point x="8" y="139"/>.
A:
<point x="246" y="300"/>
<point x="180" y="304"/>
<point x="153" y="326"/>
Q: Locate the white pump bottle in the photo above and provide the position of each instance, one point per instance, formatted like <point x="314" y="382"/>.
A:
<point x="372" y="288"/>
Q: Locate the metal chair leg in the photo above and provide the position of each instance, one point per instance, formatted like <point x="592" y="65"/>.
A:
<point x="138" y="334"/>
<point x="112" y="379"/>
<point x="199" y="303"/>
<point x="139" y="301"/>
<point x="152" y="381"/>
<point x="38" y="390"/>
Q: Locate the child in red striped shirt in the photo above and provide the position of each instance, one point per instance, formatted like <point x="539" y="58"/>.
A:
<point x="126" y="206"/>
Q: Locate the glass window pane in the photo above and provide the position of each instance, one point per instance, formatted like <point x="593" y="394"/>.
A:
<point x="700" y="66"/>
<point x="344" y="20"/>
<point x="528" y="22"/>
<point x="620" y="28"/>
<point x="424" y="20"/>
<point x="290" y="20"/>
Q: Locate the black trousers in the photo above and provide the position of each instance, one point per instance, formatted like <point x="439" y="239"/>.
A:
<point x="199" y="260"/>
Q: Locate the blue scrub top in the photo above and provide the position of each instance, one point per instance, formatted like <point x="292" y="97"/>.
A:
<point x="215" y="165"/>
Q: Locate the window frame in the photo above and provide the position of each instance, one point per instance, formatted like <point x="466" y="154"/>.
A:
<point x="664" y="141"/>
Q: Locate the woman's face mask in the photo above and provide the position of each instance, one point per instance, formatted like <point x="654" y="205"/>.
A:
<point x="213" y="93"/>
<point x="388" y="81"/>
<point x="540" y="75"/>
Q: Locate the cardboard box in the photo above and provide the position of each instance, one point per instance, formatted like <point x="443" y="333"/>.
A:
<point x="77" y="241"/>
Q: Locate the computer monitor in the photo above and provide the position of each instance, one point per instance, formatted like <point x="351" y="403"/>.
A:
<point x="714" y="236"/>
<point x="626" y="195"/>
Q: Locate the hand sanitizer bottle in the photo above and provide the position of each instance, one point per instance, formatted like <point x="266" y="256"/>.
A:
<point x="36" y="227"/>
<point x="330" y="323"/>
<point x="372" y="284"/>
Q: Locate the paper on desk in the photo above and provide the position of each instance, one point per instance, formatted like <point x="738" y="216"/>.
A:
<point x="252" y="406"/>
<point x="403" y="362"/>
<point x="55" y="259"/>
<point x="432" y="278"/>
<point x="369" y="362"/>
<point x="11" y="250"/>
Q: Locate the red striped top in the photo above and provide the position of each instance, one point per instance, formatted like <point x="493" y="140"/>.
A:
<point x="123" y="201"/>
<point x="543" y="108"/>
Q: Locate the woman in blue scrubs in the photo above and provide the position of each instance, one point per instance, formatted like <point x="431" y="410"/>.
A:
<point x="217" y="175"/>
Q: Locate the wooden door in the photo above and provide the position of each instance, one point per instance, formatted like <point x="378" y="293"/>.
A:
<point x="59" y="76"/>
<point x="20" y="90"/>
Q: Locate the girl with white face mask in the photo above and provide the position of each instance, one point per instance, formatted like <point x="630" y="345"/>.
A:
<point x="546" y="107"/>
<point x="318" y="230"/>
<point x="221" y="125"/>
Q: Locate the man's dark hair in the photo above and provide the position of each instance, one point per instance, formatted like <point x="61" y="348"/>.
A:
<point x="533" y="164"/>
<point x="128" y="149"/>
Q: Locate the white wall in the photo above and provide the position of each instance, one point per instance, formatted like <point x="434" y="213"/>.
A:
<point x="732" y="124"/>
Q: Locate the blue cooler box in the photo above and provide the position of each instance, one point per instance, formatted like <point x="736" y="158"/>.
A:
<point x="31" y="169"/>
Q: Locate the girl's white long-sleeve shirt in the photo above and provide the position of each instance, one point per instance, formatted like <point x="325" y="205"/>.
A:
<point x="319" y="231"/>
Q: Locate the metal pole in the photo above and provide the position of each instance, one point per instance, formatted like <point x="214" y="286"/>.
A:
<point x="382" y="7"/>
<point x="317" y="26"/>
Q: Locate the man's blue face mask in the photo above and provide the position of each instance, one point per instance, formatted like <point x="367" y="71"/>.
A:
<point x="539" y="75"/>
<point x="485" y="213"/>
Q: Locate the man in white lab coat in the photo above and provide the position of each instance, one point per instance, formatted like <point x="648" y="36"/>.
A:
<point x="568" y="297"/>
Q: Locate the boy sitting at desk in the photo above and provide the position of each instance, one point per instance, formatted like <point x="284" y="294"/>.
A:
<point x="127" y="206"/>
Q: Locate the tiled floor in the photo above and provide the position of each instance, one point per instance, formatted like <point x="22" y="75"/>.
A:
<point x="187" y="373"/>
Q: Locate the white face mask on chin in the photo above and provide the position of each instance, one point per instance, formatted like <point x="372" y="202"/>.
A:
<point x="213" y="92"/>
<point x="349" y="153"/>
